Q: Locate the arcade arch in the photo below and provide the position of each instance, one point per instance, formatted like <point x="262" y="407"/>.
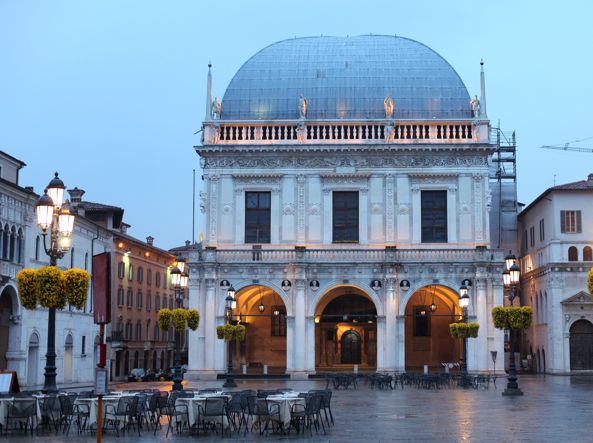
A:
<point x="428" y="313"/>
<point x="345" y="330"/>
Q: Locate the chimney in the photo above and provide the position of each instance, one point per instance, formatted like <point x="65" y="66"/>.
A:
<point x="590" y="181"/>
<point x="149" y="240"/>
<point x="76" y="200"/>
<point x="187" y="242"/>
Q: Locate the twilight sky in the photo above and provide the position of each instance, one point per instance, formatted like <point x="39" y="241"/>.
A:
<point x="110" y="93"/>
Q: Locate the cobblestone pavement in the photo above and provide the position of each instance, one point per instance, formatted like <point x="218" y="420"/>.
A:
<point x="553" y="409"/>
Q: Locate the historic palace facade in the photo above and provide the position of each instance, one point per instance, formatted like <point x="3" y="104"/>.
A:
<point x="348" y="193"/>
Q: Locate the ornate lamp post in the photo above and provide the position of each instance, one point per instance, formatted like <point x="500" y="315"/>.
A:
<point x="179" y="280"/>
<point x="231" y="304"/>
<point x="464" y="303"/>
<point x="54" y="218"/>
<point x="511" y="277"/>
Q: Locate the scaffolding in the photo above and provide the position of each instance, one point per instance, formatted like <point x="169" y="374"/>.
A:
<point x="503" y="186"/>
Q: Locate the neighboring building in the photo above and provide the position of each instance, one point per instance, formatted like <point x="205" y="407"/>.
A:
<point x="348" y="187"/>
<point x="23" y="333"/>
<point x="141" y="286"/>
<point x="556" y="238"/>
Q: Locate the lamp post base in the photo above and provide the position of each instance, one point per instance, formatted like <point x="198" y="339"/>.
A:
<point x="510" y="392"/>
<point x="229" y="383"/>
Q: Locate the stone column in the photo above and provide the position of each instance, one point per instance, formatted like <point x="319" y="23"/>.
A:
<point x="195" y="345"/>
<point x="300" y="342"/>
<point x="478" y="347"/>
<point x="209" y="315"/>
<point x="555" y="354"/>
<point x="390" y="325"/>
<point x="381" y="341"/>
<point x="495" y="297"/>
<point x="310" y="326"/>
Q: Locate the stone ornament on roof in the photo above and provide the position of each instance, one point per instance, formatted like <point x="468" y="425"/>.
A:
<point x="388" y="106"/>
<point x="303" y="105"/>
<point x="475" y="105"/>
<point x="216" y="109"/>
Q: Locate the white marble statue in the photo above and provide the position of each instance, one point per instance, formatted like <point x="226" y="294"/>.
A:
<point x="388" y="106"/>
<point x="216" y="108"/>
<point x="475" y="105"/>
<point x="303" y="105"/>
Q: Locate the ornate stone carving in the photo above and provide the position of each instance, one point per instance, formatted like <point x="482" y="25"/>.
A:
<point x="227" y="208"/>
<point x="389" y="207"/>
<point x="376" y="208"/>
<point x="388" y="106"/>
<point x="216" y="109"/>
<point x="301" y="179"/>
<point x="314" y="208"/>
<point x="368" y="160"/>
<point x="288" y="209"/>
<point x="403" y="209"/>
<point x="203" y="201"/>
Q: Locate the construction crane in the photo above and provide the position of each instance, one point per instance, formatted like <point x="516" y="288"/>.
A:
<point x="566" y="146"/>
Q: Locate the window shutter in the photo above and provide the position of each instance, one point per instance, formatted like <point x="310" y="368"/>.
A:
<point x="578" y="221"/>
<point x="563" y="221"/>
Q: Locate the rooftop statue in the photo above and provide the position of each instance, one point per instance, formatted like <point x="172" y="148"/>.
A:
<point x="388" y="106"/>
<point x="303" y="105"/>
<point x="475" y="104"/>
<point x="216" y="108"/>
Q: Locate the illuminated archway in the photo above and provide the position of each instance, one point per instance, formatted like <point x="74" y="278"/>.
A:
<point x="264" y="347"/>
<point x="345" y="330"/>
<point x="428" y="313"/>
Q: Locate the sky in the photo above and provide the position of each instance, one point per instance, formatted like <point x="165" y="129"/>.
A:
<point x="111" y="93"/>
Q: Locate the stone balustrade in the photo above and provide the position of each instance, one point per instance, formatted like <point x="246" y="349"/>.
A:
<point x="353" y="256"/>
<point x="397" y="131"/>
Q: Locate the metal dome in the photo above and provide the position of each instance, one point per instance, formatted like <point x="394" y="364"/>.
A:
<point x="346" y="78"/>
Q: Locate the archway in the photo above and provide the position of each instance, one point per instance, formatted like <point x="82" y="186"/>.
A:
<point x="581" y="346"/>
<point x="32" y="359"/>
<point x="262" y="311"/>
<point x="428" y="314"/>
<point x="345" y="330"/>
<point x="6" y="313"/>
<point x="68" y="345"/>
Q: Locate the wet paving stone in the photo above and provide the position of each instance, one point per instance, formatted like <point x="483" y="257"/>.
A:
<point x="552" y="409"/>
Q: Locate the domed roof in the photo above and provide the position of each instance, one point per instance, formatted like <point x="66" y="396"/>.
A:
<point x="346" y="78"/>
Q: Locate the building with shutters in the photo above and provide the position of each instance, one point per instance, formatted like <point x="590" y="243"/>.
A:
<point x="556" y="241"/>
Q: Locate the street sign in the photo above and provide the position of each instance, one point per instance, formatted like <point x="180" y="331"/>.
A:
<point x="100" y="381"/>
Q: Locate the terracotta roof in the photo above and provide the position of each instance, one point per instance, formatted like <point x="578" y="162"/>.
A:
<point x="92" y="206"/>
<point x="581" y="185"/>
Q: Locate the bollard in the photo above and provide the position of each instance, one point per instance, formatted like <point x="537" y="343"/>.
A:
<point x="265" y="369"/>
<point x="244" y="369"/>
<point x="425" y="369"/>
<point x="356" y="369"/>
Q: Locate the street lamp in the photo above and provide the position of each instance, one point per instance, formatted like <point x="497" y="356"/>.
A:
<point x="53" y="218"/>
<point x="179" y="280"/>
<point x="231" y="305"/>
<point x="464" y="303"/>
<point x="511" y="277"/>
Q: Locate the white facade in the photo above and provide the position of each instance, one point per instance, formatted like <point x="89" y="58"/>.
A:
<point x="302" y="163"/>
<point x="555" y="260"/>
<point x="27" y="330"/>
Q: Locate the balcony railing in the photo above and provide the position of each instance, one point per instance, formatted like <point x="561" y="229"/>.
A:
<point x="354" y="255"/>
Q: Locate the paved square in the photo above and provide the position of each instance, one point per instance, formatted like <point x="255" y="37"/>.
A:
<point x="553" y="409"/>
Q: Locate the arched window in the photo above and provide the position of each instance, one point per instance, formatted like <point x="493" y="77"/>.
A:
<point x="140" y="274"/>
<point x="120" y="296"/>
<point x="587" y="253"/>
<point x="138" y="336"/>
<point x="157" y="302"/>
<point x="37" y="242"/>
<point x="129" y="330"/>
<point x="86" y="261"/>
<point x="130" y="298"/>
<point x="5" y="242"/>
<point x="149" y="277"/>
<point x="19" y="246"/>
<point x="573" y="254"/>
<point x="130" y="272"/>
<point x="545" y="306"/>
<point x="12" y="243"/>
<point x="155" y="335"/>
<point x="157" y="280"/>
<point x="139" y="299"/>
<point x="148" y="301"/>
<point x="148" y="329"/>
<point x="136" y="359"/>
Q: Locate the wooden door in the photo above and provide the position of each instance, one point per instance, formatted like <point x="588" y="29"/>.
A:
<point x="581" y="346"/>
<point x="350" y="344"/>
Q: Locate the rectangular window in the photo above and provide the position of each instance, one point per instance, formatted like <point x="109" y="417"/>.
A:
<point x="148" y="301"/>
<point x="434" y="216"/>
<point x="542" y="235"/>
<point x="421" y="321"/>
<point x="570" y="222"/>
<point x="278" y="321"/>
<point x="532" y="236"/>
<point x="120" y="296"/>
<point x="83" y="344"/>
<point x="130" y="298"/>
<point x="257" y="217"/>
<point x="345" y="216"/>
<point x="121" y="269"/>
<point x="157" y="281"/>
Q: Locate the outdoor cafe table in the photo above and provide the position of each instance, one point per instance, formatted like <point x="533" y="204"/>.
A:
<point x="4" y="405"/>
<point x="93" y="404"/>
<point x="285" y="403"/>
<point x="193" y="411"/>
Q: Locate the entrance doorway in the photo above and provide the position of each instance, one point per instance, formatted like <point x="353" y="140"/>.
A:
<point x="345" y="330"/>
<point x="428" y="314"/>
<point x="263" y="313"/>
<point x="581" y="346"/>
<point x="5" y="325"/>
<point x="32" y="359"/>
